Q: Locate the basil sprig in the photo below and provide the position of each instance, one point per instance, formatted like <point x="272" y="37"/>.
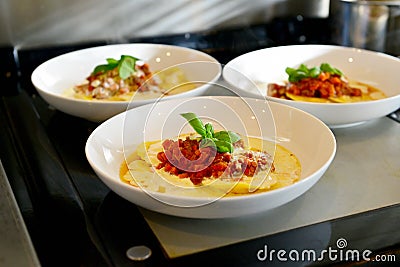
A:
<point x="222" y="140"/>
<point x="303" y="71"/>
<point x="126" y="66"/>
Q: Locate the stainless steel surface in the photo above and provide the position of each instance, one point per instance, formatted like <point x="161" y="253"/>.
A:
<point x="395" y="115"/>
<point x="373" y="25"/>
<point x="308" y="8"/>
<point x="138" y="253"/>
<point x="16" y="248"/>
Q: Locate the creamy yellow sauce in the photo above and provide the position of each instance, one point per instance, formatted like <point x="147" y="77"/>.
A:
<point x="369" y="93"/>
<point x="139" y="170"/>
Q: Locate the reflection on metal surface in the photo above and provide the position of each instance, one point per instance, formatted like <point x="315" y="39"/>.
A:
<point x="395" y="115"/>
<point x="372" y="25"/>
<point x="138" y="253"/>
<point x="16" y="248"/>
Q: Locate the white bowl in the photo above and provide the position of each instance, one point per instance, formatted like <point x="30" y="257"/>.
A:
<point x="306" y="136"/>
<point x="246" y="72"/>
<point x="55" y="76"/>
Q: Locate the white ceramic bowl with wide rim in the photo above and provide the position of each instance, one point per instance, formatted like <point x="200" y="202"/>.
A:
<point x="54" y="77"/>
<point x="306" y="136"/>
<point x="250" y="73"/>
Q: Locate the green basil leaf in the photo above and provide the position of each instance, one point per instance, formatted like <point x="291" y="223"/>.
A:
<point x="130" y="57"/>
<point x="290" y="71"/>
<point x="227" y="136"/>
<point x="104" y="68"/>
<point x="112" y="61"/>
<point x="196" y="123"/>
<point x="221" y="140"/>
<point x="303" y="68"/>
<point x="315" y="72"/>
<point x="303" y="72"/>
<point x="207" y="142"/>
<point x="209" y="130"/>
<point x="223" y="146"/>
<point x="328" y="68"/>
<point x="222" y="135"/>
<point x="234" y="137"/>
<point x="126" y="66"/>
<point x="297" y="76"/>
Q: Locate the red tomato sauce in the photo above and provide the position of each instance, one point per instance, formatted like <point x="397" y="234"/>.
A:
<point x="185" y="159"/>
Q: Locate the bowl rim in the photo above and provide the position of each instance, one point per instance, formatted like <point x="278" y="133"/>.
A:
<point x="222" y="199"/>
<point x="36" y="71"/>
<point x="316" y="104"/>
<point x="355" y="104"/>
